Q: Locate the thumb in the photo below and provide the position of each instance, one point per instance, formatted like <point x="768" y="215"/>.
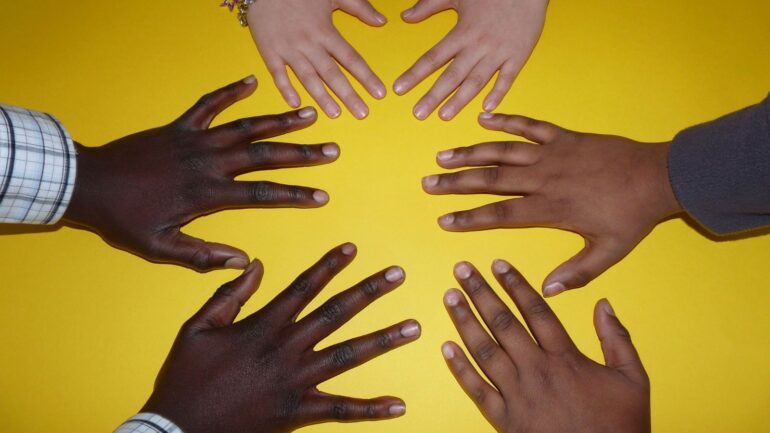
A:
<point x="619" y="352"/>
<point x="223" y="307"/>
<point x="584" y="267"/>
<point x="173" y="246"/>
<point x="364" y="11"/>
<point x="423" y="9"/>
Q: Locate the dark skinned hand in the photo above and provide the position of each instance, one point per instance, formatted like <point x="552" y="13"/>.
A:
<point x="137" y="192"/>
<point x="542" y="384"/>
<point x="611" y="190"/>
<point x="261" y="374"/>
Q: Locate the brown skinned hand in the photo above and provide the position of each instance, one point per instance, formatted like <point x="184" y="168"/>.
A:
<point x="137" y="192"/>
<point x="262" y="372"/>
<point x="542" y="384"/>
<point x="611" y="190"/>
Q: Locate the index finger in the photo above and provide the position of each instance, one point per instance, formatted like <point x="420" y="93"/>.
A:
<point x="200" y="115"/>
<point x="541" y="320"/>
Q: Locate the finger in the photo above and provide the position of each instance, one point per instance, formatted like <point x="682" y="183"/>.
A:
<point x="505" y="327"/>
<point x="487" y="399"/>
<point x="532" y="211"/>
<point x="223" y="307"/>
<point x="619" y="351"/>
<point x="266" y="155"/>
<point x="308" y="76"/>
<point x="450" y="79"/>
<point x="325" y="407"/>
<point x="492" y="360"/>
<point x="491" y="153"/>
<point x="173" y="246"/>
<point x="428" y="63"/>
<point x="595" y="258"/>
<point x="508" y="73"/>
<point x="342" y="357"/>
<point x="264" y="194"/>
<point x="277" y="69"/>
<point x="540" y="319"/>
<point x="364" y="11"/>
<point x="488" y="180"/>
<point x="200" y="115"/>
<point x="250" y="129"/>
<point x="331" y="75"/>
<point x="531" y="129"/>
<point x="349" y="58"/>
<point x="478" y="77"/>
<point x="424" y="9"/>
<point x="342" y="307"/>
<point x="290" y="302"/>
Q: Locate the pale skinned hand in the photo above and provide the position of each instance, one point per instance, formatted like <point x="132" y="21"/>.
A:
<point x="542" y="383"/>
<point x="139" y="191"/>
<point x="611" y="190"/>
<point x="300" y="34"/>
<point x="261" y="374"/>
<point x="490" y="36"/>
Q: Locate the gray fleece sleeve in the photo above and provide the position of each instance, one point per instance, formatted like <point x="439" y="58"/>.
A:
<point x="720" y="170"/>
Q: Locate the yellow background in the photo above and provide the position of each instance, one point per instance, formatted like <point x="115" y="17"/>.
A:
<point x="84" y="328"/>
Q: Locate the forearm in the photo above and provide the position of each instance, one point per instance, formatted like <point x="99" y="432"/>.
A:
<point x="148" y="422"/>
<point x="37" y="167"/>
<point x="720" y="170"/>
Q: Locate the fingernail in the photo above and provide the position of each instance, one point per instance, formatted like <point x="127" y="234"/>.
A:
<point x="430" y="181"/>
<point x="380" y="18"/>
<point x="320" y="196"/>
<point x="333" y="111"/>
<point x="399" y="88"/>
<point x="307" y="113"/>
<point x="490" y="105"/>
<point x="397" y="409"/>
<point x="236" y="263"/>
<point x="394" y="274"/>
<point x="452" y="297"/>
<point x="445" y="155"/>
<point x="420" y="112"/>
<point x="446" y="113"/>
<point x="407" y="13"/>
<point x="553" y="289"/>
<point x="360" y="110"/>
<point x="500" y="266"/>
<point x="448" y="351"/>
<point x="251" y="79"/>
<point x="293" y="101"/>
<point x="608" y="308"/>
<point x="348" y="249"/>
<point x="410" y="330"/>
<point x="379" y="91"/>
<point x="462" y="270"/>
<point x="330" y="150"/>
<point x="485" y="116"/>
<point x="447" y="219"/>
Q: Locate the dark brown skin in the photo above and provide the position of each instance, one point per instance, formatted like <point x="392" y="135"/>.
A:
<point x="261" y="374"/>
<point x="137" y="192"/>
<point x="542" y="384"/>
<point x="611" y="190"/>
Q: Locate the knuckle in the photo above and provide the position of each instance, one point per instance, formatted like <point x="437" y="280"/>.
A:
<point x="290" y="404"/>
<point x="339" y="410"/>
<point x="306" y="152"/>
<point x="502" y="320"/>
<point x="296" y="194"/>
<point x="491" y="175"/>
<point x="538" y="309"/>
<point x="243" y="126"/>
<point x="370" y="411"/>
<point x="343" y="356"/>
<point x="350" y="57"/>
<point x="201" y="258"/>
<point x="501" y="211"/>
<point x="331" y="312"/>
<point x="300" y="286"/>
<point x="485" y="351"/>
<point x="260" y="153"/>
<point x="431" y="59"/>
<point x="332" y="262"/>
<point x="452" y="75"/>
<point x="475" y="82"/>
<point x="476" y="286"/>
<point x="385" y="340"/>
<point x="370" y="287"/>
<point x="261" y="192"/>
<point x="479" y="395"/>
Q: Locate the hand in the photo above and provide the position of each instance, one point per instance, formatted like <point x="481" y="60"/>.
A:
<point x="300" y="34"/>
<point x="490" y="36"/>
<point x="262" y="373"/>
<point x="137" y="192"/>
<point x="611" y="190"/>
<point x="542" y="385"/>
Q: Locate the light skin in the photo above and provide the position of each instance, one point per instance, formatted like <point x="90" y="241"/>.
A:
<point x="139" y="191"/>
<point x="610" y="190"/>
<point x="300" y="34"/>
<point x="538" y="381"/>
<point x="491" y="36"/>
<point x="262" y="373"/>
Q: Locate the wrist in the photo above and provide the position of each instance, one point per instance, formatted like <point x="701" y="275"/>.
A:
<point x="667" y="202"/>
<point x="84" y="194"/>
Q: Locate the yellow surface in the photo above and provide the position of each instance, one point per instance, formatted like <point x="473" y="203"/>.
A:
<point x="84" y="328"/>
